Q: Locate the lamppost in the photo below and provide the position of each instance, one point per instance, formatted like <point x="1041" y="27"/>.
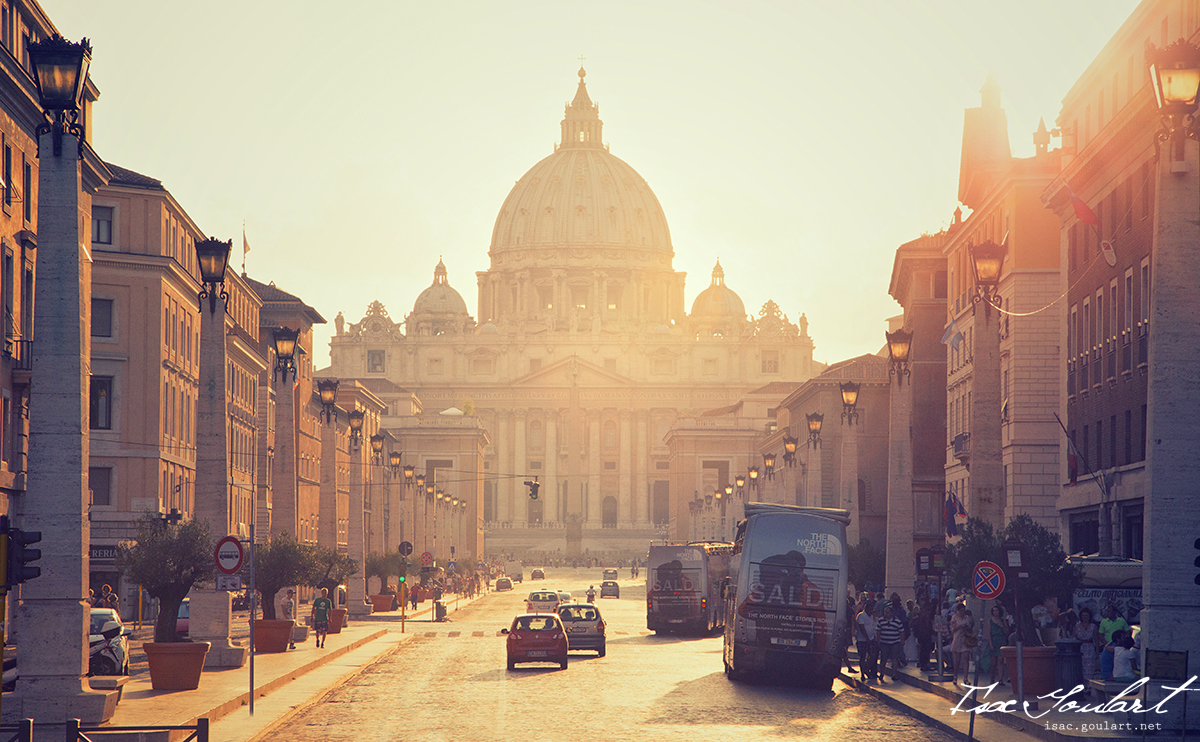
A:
<point x="899" y="345"/>
<point x="740" y="482"/>
<point x="285" y="340"/>
<point x="987" y="258"/>
<point x="394" y="465"/>
<point x="849" y="478"/>
<point x="849" y="402"/>
<point x="986" y="497"/>
<point x="789" y="451"/>
<point x="753" y="474"/>
<point x="53" y="648"/>
<point x="769" y="466"/>
<point x="813" y="485"/>
<point x="377" y="448"/>
<point x="328" y="389"/>
<point x="815" y="420"/>
<point x="357" y="418"/>
<point x="1172" y="520"/>
<point x="212" y="256"/>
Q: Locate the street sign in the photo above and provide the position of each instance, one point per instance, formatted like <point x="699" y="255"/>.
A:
<point x="229" y="555"/>
<point x="427" y="558"/>
<point x="405" y="548"/>
<point x="229" y="582"/>
<point x="452" y="567"/>
<point x="988" y="580"/>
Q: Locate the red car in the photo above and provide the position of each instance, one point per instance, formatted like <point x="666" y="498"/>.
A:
<point x="536" y="637"/>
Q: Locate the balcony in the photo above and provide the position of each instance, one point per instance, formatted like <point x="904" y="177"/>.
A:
<point x="962" y="446"/>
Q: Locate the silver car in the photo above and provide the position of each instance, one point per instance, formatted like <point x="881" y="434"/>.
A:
<point x="584" y="625"/>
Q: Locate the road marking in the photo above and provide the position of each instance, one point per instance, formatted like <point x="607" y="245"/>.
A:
<point x="430" y="634"/>
<point x="454" y="633"/>
<point x="476" y="633"/>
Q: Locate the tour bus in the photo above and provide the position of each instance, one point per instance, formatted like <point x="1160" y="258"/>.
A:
<point x="683" y="587"/>
<point x="785" y="599"/>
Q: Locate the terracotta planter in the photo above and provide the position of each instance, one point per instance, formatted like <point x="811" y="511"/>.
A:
<point x="1038" y="665"/>
<point x="272" y="635"/>
<point x="382" y="603"/>
<point x="337" y="619"/>
<point x="176" y="665"/>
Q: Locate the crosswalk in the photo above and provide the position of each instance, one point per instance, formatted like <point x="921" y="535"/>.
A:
<point x="478" y="634"/>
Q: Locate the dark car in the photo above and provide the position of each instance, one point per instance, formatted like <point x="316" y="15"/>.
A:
<point x="537" y="574"/>
<point x="610" y="589"/>
<point x="536" y="638"/>
<point x="610" y="574"/>
<point x="503" y="583"/>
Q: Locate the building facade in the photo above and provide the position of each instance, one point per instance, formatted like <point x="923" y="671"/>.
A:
<point x="583" y="355"/>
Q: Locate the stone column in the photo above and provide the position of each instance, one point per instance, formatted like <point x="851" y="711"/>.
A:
<point x="356" y="586"/>
<point x="641" y="482"/>
<point x="849" y="481"/>
<point x="283" y="478"/>
<point x="53" y="649"/>
<point x="788" y="491"/>
<point x="1171" y="599"/>
<point x="900" y="572"/>
<point x="211" y="611"/>
<point x="550" y="488"/>
<point x="504" y="511"/>
<point x="814" y="486"/>
<point x="985" y="500"/>
<point x="327" y="511"/>
<point x="594" y="494"/>
<point x="625" y="470"/>
<point x="520" y="466"/>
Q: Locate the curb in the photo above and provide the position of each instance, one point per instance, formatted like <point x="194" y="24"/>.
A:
<point x="902" y="707"/>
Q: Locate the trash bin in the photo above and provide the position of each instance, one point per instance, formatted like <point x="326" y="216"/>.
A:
<point x="439" y="613"/>
<point x="1068" y="664"/>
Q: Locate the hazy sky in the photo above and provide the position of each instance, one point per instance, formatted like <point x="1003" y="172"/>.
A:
<point x="801" y="142"/>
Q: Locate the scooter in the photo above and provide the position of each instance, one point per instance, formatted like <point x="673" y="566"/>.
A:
<point x="104" y="655"/>
<point x="591" y="595"/>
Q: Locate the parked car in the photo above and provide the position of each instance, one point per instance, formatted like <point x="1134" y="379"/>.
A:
<point x="108" y="641"/>
<point x="541" y="601"/>
<point x="185" y="613"/>
<point x="610" y="589"/>
<point x="503" y="583"/>
<point x="537" y="574"/>
<point x="536" y="638"/>
<point x="584" y="626"/>
<point x="610" y="574"/>
<point x="241" y="600"/>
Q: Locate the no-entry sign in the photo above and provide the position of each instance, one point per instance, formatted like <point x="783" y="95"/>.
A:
<point x="229" y="555"/>
<point x="988" y="580"/>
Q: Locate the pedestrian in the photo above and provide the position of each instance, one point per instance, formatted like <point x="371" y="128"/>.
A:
<point x="996" y="637"/>
<point x="289" y="613"/>
<point x="321" y="608"/>
<point x="960" y="625"/>
<point x="1124" y="657"/>
<point x="849" y="634"/>
<point x="890" y="630"/>
<point x="1088" y="635"/>
<point x="865" y="636"/>
<point x="1111" y="622"/>
<point x="923" y="628"/>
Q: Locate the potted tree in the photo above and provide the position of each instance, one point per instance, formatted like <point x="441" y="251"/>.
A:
<point x="167" y="560"/>
<point x="333" y="568"/>
<point x="381" y="566"/>
<point x="1050" y="576"/>
<point x="278" y="563"/>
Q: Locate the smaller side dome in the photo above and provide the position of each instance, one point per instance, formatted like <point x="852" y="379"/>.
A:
<point x="487" y="328"/>
<point x="718" y="301"/>
<point x="440" y="298"/>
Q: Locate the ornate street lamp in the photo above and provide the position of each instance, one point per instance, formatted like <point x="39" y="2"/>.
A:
<point x="285" y="351"/>
<point x="753" y="474"/>
<point x="740" y="482"/>
<point x="394" y="464"/>
<point x="789" y="451"/>
<point x="728" y="491"/>
<point x="357" y="417"/>
<point x="986" y="260"/>
<point x="213" y="258"/>
<point x="454" y="501"/>
<point x="708" y="498"/>
<point x="899" y="345"/>
<point x="60" y="69"/>
<point x="814" y="428"/>
<point x="769" y="465"/>
<point x="1175" y="76"/>
<point x="420" y="480"/>
<point x="409" y="470"/>
<point x="328" y="389"/>
<point x="377" y="448"/>
<point x="849" y="402"/>
<point x="429" y="490"/>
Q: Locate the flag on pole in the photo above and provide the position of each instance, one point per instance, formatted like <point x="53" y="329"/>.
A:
<point x="954" y="510"/>
<point x="245" y="244"/>
<point x="953" y="335"/>
<point x="1083" y="212"/>
<point x="1072" y="461"/>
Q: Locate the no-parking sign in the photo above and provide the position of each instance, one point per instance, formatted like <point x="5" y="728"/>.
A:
<point x="988" y="580"/>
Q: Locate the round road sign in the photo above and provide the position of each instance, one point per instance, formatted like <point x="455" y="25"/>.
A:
<point x="229" y="555"/>
<point x="988" y="580"/>
<point x="427" y="558"/>
<point x="405" y="548"/>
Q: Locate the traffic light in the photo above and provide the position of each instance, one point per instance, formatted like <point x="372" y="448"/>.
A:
<point x="1197" y="562"/>
<point x="403" y="571"/>
<point x="20" y="558"/>
<point x="533" y="488"/>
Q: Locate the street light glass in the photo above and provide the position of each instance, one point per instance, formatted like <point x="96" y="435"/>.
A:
<point x="815" y="420"/>
<point x="1176" y="86"/>
<point x="420" y="480"/>
<point x="394" y="460"/>
<point x="740" y="481"/>
<point x="356" y="420"/>
<point x="899" y="344"/>
<point x="753" y="473"/>
<point x="849" y="394"/>
<point x="328" y="389"/>
<point x="285" y="343"/>
<point x="213" y="258"/>
<point x="60" y="68"/>
<point x="769" y="460"/>
<point x="986" y="260"/>
<point x="377" y="443"/>
<point x="789" y="446"/>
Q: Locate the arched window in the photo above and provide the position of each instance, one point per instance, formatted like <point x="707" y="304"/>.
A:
<point x="536" y="436"/>
<point x="610" y="434"/>
<point x="608" y="512"/>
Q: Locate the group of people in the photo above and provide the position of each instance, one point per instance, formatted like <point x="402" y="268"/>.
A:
<point x="106" y="599"/>
<point x="881" y="629"/>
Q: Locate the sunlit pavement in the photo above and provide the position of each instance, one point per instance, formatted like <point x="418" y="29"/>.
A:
<point x="450" y="682"/>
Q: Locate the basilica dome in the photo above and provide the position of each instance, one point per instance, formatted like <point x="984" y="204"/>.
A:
<point x="581" y="196"/>
<point x="440" y="298"/>
<point x="718" y="301"/>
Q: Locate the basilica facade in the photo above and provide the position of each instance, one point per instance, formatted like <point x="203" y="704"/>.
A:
<point x="581" y="358"/>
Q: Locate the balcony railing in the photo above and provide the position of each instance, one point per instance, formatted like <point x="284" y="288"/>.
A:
<point x="1143" y="343"/>
<point x="22" y="355"/>
<point x="962" y="446"/>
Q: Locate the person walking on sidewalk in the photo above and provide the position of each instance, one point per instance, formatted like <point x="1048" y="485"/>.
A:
<point x="321" y="608"/>
<point x="891" y="637"/>
<point x="289" y="613"/>
<point x="864" y="634"/>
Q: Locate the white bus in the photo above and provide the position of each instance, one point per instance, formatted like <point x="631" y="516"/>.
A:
<point x="785" y="600"/>
<point x="683" y="587"/>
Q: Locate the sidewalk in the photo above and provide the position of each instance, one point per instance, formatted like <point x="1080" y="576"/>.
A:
<point x="933" y="702"/>
<point x="284" y="682"/>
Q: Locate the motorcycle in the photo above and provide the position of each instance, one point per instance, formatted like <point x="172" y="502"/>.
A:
<point x="107" y="654"/>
